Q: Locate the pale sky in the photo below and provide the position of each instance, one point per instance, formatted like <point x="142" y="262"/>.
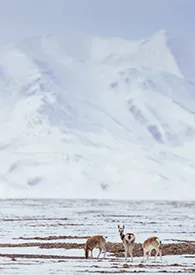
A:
<point x="130" y="19"/>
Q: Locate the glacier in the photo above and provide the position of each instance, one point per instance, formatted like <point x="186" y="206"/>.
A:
<point x="93" y="117"/>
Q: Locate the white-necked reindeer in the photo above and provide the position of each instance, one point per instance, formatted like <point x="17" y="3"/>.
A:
<point x="95" y="242"/>
<point x="128" y="240"/>
<point x="150" y="244"/>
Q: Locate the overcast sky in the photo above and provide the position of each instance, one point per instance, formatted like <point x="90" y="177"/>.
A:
<point x="130" y="19"/>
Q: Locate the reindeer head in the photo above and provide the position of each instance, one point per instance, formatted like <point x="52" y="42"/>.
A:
<point x="121" y="229"/>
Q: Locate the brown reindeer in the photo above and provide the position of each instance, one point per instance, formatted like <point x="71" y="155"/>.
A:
<point x="128" y="240"/>
<point x="150" y="244"/>
<point x="95" y="242"/>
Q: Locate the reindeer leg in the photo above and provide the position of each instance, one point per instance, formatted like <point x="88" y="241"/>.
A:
<point x="126" y="253"/>
<point x="156" y="254"/>
<point x="100" y="250"/>
<point x="148" y="255"/>
<point x="92" y="254"/>
<point x="104" y="250"/>
<point x="131" y="253"/>
<point x="160" y="253"/>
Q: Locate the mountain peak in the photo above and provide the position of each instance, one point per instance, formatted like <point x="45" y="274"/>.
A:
<point x="161" y="33"/>
<point x="124" y="109"/>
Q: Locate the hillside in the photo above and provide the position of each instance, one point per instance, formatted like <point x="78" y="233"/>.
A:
<point x="97" y="117"/>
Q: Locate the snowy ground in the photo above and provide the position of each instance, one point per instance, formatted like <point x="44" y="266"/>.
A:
<point x="171" y="221"/>
<point x="170" y="265"/>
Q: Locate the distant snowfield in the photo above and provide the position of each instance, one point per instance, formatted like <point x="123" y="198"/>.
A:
<point x="88" y="117"/>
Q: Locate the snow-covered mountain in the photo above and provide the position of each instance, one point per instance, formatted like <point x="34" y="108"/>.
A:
<point x="95" y="117"/>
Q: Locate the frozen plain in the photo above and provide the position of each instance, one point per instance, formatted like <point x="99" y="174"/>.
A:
<point x="171" y="221"/>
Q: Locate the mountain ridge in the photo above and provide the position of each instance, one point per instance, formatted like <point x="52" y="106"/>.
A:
<point x="103" y="116"/>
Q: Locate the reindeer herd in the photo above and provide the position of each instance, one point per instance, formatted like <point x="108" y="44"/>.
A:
<point x="128" y="240"/>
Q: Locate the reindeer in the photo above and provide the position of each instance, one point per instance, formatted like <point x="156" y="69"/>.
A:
<point x="128" y="240"/>
<point x="95" y="242"/>
<point x="150" y="244"/>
